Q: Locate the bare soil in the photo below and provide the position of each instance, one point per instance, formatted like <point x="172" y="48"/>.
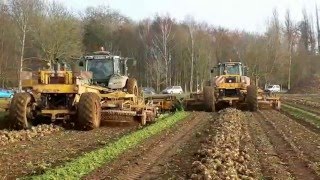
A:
<point x="228" y="144"/>
<point x="285" y="149"/>
<point x="160" y="157"/>
<point x="38" y="154"/>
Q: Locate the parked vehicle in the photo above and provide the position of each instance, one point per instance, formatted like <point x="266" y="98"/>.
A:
<point x="273" y="88"/>
<point x="173" y="90"/>
<point x="4" y="93"/>
<point x="148" y="90"/>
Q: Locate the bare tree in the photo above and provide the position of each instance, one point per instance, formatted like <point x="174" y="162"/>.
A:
<point x="290" y="32"/>
<point x="161" y="41"/>
<point x="22" y="12"/>
<point x="57" y="34"/>
<point x="191" y="28"/>
<point x="318" y="28"/>
<point x="273" y="46"/>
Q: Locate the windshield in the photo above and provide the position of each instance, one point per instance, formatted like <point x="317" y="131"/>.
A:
<point x="270" y="87"/>
<point x="231" y="69"/>
<point x="101" y="69"/>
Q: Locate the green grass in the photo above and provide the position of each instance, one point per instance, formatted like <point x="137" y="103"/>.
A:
<point x="301" y="114"/>
<point x="303" y="107"/>
<point x="3" y="121"/>
<point x="88" y="162"/>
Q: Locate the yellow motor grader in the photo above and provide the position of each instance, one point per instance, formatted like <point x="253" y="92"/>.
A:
<point x="231" y="87"/>
<point x="98" y="90"/>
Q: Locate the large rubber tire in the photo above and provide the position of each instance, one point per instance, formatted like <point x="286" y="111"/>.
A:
<point x="132" y="86"/>
<point x="19" y="111"/>
<point x="89" y="111"/>
<point x="143" y="118"/>
<point x="209" y="99"/>
<point x="252" y="98"/>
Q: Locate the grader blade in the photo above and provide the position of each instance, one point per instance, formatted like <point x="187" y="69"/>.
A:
<point x="119" y="117"/>
<point x="269" y="101"/>
<point x="265" y="105"/>
<point x="195" y="102"/>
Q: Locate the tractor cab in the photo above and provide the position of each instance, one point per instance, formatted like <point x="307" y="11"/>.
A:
<point x="107" y="70"/>
<point x="230" y="68"/>
<point x="230" y="72"/>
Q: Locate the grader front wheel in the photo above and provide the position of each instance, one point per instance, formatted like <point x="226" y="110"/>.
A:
<point x="19" y="111"/>
<point x="89" y="111"/>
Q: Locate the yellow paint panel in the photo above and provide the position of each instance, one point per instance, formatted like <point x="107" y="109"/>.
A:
<point x="55" y="88"/>
<point x="230" y="85"/>
<point x="29" y="82"/>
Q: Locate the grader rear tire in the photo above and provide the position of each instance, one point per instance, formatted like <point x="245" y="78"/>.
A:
<point x="89" y="111"/>
<point x="209" y="99"/>
<point x="252" y="98"/>
<point x="132" y="86"/>
<point x="19" y="111"/>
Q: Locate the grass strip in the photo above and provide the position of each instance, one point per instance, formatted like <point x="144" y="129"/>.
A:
<point x="302" y="114"/>
<point x="310" y="109"/>
<point x="88" y="162"/>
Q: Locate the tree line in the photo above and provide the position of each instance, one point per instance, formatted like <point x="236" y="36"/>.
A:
<point x="168" y="52"/>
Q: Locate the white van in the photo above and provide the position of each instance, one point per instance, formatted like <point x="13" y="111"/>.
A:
<point x="273" y="88"/>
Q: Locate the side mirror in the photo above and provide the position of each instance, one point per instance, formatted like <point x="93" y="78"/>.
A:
<point x="81" y="64"/>
<point x="134" y="63"/>
<point x="212" y="71"/>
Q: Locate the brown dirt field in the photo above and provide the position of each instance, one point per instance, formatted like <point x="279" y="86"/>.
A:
<point x="303" y="141"/>
<point x="38" y="154"/>
<point x="261" y="145"/>
<point x="285" y="149"/>
<point x="312" y="101"/>
<point x="230" y="144"/>
<point x="158" y="156"/>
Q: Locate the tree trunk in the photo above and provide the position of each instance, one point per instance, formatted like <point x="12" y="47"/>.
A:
<point x="192" y="59"/>
<point x="22" y="56"/>
<point x="290" y="61"/>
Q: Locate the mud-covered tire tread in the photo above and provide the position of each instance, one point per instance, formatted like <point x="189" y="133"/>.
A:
<point x="132" y="86"/>
<point x="18" y="111"/>
<point x="252" y="99"/>
<point x="89" y="111"/>
<point x="209" y="99"/>
<point x="143" y="118"/>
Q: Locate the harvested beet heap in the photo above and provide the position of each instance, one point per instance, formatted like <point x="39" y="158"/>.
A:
<point x="219" y="156"/>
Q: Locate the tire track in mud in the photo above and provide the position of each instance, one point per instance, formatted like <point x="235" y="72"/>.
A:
<point x="303" y="120"/>
<point x="306" y="142"/>
<point x="297" y="165"/>
<point x="138" y="163"/>
<point x="270" y="164"/>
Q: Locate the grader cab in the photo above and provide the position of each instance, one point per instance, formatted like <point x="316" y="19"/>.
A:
<point x="231" y="87"/>
<point x="98" y="91"/>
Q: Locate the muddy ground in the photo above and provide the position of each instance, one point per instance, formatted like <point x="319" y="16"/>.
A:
<point x="231" y="144"/>
<point x="228" y="145"/>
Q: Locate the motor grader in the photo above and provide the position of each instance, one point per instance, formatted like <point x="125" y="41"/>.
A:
<point x="231" y="87"/>
<point x="96" y="90"/>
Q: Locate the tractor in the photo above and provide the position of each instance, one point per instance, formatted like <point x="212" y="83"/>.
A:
<point x="231" y="87"/>
<point x="96" y="90"/>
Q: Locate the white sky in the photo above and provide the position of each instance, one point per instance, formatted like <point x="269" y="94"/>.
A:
<point x="249" y="15"/>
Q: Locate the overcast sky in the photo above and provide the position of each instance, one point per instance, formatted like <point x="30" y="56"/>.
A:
<point x="249" y="15"/>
